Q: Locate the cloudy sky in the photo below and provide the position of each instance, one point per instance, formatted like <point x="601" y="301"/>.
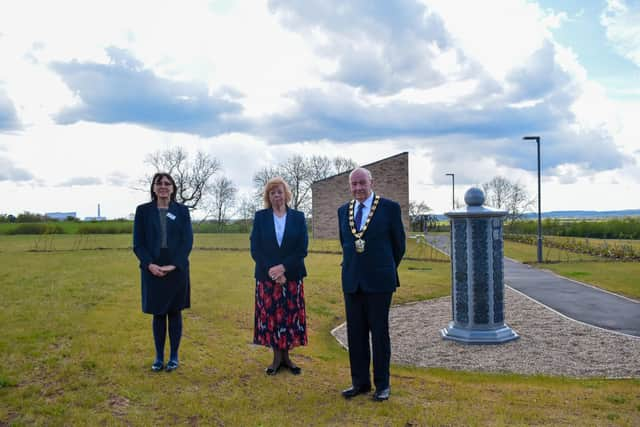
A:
<point x="88" y="89"/>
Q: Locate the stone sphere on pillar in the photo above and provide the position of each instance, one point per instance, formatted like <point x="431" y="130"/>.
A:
<point x="474" y="197"/>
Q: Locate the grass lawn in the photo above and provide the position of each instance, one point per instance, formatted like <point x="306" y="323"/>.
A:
<point x="76" y="350"/>
<point x="615" y="276"/>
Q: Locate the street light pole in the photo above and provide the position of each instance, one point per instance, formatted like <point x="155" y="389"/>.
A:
<point x="537" y="140"/>
<point x="453" y="190"/>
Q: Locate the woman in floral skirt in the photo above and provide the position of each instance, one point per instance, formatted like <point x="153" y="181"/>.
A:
<point x="278" y="246"/>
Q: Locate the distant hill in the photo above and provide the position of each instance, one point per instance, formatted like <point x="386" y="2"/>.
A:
<point x="585" y="214"/>
<point x="574" y="214"/>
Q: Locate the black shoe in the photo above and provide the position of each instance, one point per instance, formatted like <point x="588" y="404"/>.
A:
<point x="172" y="365"/>
<point x="157" y="366"/>
<point x="271" y="370"/>
<point x="355" y="390"/>
<point x="381" y="395"/>
<point x="295" y="370"/>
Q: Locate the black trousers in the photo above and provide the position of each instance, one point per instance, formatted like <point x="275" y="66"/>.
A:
<point x="369" y="312"/>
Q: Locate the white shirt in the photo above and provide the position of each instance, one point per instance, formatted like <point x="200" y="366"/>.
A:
<point x="279" y="223"/>
<point x="366" y="207"/>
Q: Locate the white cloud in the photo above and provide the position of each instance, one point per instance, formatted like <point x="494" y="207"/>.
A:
<point x="455" y="83"/>
<point x="80" y="181"/>
<point x="8" y="117"/>
<point x="10" y="172"/>
<point x="621" y="20"/>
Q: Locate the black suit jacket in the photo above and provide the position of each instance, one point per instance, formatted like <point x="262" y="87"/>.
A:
<point x="374" y="270"/>
<point x="146" y="235"/>
<point x="266" y="252"/>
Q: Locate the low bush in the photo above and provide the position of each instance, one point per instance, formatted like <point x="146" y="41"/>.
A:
<point x="582" y="246"/>
<point x="613" y="228"/>
<point x="36" y="228"/>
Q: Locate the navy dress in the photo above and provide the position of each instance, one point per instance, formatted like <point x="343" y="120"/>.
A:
<point x="280" y="316"/>
<point x="171" y="293"/>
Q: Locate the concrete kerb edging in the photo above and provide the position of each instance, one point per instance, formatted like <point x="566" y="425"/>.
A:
<point x="333" y="333"/>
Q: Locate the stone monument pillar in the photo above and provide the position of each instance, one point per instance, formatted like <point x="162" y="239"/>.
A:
<point x="477" y="285"/>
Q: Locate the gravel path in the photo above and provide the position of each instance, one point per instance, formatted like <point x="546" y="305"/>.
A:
<point x="549" y="343"/>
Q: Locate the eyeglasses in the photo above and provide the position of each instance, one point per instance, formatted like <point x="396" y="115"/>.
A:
<point x="163" y="184"/>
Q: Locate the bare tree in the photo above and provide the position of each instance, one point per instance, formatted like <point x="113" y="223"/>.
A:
<point x="260" y="179"/>
<point x="246" y="208"/>
<point x="343" y="164"/>
<point x="192" y="177"/>
<point x="222" y="198"/>
<point x="320" y="167"/>
<point x="497" y="192"/>
<point x="297" y="173"/>
<point x="419" y="215"/>
<point x="300" y="172"/>
<point x="417" y="208"/>
<point x="510" y="196"/>
<point x="519" y="202"/>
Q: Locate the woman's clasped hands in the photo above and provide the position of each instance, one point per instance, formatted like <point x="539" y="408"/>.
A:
<point x="161" y="271"/>
<point x="276" y="273"/>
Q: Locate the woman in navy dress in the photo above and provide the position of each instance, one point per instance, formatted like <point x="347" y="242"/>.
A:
<point x="278" y="246"/>
<point x="162" y="241"/>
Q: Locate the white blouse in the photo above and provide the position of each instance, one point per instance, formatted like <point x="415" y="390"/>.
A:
<point x="279" y="222"/>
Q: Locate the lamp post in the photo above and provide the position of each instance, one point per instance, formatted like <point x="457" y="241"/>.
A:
<point x="453" y="190"/>
<point x="537" y="140"/>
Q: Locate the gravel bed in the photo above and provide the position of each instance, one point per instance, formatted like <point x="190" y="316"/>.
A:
<point x="549" y="344"/>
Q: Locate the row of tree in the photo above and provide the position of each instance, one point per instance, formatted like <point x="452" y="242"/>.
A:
<point x="200" y="185"/>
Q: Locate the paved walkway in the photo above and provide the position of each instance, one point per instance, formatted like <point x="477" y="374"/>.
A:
<point x="570" y="298"/>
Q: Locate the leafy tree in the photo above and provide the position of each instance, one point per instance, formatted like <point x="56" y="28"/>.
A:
<point x="27" y="216"/>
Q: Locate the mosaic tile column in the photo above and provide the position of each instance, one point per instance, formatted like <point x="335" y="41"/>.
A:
<point x="477" y="276"/>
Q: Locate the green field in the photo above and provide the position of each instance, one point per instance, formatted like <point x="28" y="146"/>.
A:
<point x="76" y="350"/>
<point x="615" y="276"/>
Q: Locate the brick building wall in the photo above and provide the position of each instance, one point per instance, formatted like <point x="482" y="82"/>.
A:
<point x="390" y="180"/>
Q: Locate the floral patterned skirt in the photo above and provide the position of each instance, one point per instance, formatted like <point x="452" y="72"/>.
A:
<point x="280" y="318"/>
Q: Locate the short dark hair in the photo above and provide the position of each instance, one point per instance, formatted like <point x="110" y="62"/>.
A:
<point x="157" y="177"/>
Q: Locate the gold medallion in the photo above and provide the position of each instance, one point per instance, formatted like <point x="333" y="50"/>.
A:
<point x="359" y="241"/>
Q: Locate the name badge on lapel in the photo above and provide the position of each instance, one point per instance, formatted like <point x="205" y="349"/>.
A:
<point x="171" y="216"/>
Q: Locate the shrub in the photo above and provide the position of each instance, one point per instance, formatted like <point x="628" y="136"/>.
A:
<point x="36" y="228"/>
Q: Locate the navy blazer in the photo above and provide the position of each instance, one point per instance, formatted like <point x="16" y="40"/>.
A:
<point x="146" y="235"/>
<point x="374" y="270"/>
<point x="266" y="252"/>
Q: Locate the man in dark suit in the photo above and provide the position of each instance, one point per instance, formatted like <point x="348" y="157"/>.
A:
<point x="373" y="243"/>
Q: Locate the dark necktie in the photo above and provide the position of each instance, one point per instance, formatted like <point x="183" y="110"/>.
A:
<point x="359" y="216"/>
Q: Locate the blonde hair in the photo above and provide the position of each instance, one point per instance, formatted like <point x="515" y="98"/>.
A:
<point x="273" y="182"/>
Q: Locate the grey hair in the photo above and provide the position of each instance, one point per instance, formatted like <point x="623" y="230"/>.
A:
<point x="361" y="169"/>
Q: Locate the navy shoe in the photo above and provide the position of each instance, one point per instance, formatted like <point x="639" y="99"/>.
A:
<point x="172" y="365"/>
<point x="381" y="395"/>
<point x="157" y="366"/>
